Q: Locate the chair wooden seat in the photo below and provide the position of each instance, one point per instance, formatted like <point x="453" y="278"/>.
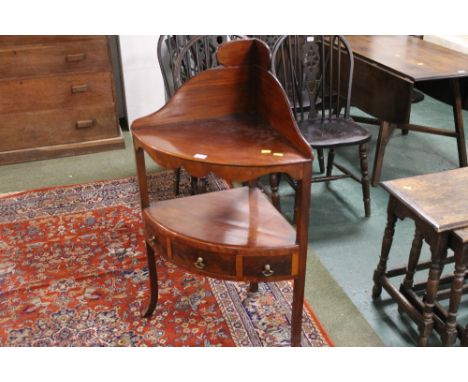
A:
<point x="333" y="133"/>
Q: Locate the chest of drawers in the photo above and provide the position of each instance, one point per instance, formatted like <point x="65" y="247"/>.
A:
<point x="57" y="97"/>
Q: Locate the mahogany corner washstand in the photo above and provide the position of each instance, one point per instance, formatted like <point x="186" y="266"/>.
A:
<point x="234" y="121"/>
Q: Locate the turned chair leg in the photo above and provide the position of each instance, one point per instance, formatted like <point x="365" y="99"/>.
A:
<point x="177" y="172"/>
<point x="365" y="179"/>
<point x="153" y="281"/>
<point x="274" y="185"/>
<point x="385" y="251"/>
<point x="321" y="160"/>
<point x="330" y="160"/>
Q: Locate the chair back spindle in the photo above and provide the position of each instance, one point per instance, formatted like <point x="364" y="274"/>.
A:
<point x="316" y="73"/>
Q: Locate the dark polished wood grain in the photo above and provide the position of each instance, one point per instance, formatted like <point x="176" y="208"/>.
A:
<point x="393" y="104"/>
<point x="387" y="69"/>
<point x="234" y="121"/>
<point x="237" y="218"/>
<point x="214" y="146"/>
<point x="411" y="57"/>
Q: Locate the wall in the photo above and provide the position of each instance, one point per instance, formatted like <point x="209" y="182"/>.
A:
<point x="144" y="87"/>
<point x="459" y="43"/>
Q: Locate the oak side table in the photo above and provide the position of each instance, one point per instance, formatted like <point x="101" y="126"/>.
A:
<point x="439" y="207"/>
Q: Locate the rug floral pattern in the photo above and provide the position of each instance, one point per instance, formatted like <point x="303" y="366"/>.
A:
<point x="73" y="273"/>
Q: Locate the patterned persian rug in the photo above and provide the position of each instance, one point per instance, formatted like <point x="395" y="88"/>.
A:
<point x="73" y="273"/>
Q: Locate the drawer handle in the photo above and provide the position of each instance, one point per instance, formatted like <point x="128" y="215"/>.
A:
<point x="84" y="124"/>
<point x="75" y="57"/>
<point x="200" y="263"/>
<point x="79" y="88"/>
<point x="267" y="271"/>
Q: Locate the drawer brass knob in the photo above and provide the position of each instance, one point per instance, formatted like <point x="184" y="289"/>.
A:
<point x="200" y="263"/>
<point x="267" y="271"/>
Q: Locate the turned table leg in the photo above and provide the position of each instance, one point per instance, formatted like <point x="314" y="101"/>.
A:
<point x="385" y="132"/>
<point x="458" y="119"/>
<point x="415" y="253"/>
<point x="456" y="292"/>
<point x="386" y="246"/>
<point x="438" y="247"/>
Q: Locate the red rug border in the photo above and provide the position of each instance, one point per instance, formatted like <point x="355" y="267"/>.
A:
<point x="319" y="324"/>
<point x="48" y="188"/>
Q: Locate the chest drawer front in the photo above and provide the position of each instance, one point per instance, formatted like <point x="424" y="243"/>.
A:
<point x="14" y="41"/>
<point x="49" y="128"/>
<point x="43" y="60"/>
<point x="67" y="91"/>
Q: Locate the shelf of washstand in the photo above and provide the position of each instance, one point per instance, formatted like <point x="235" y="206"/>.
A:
<point x="239" y="226"/>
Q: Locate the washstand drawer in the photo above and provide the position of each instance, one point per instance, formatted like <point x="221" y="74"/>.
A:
<point x="58" y="92"/>
<point x="158" y="243"/>
<point x="266" y="267"/>
<point x="43" y="60"/>
<point x="55" y="127"/>
<point x="215" y="264"/>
